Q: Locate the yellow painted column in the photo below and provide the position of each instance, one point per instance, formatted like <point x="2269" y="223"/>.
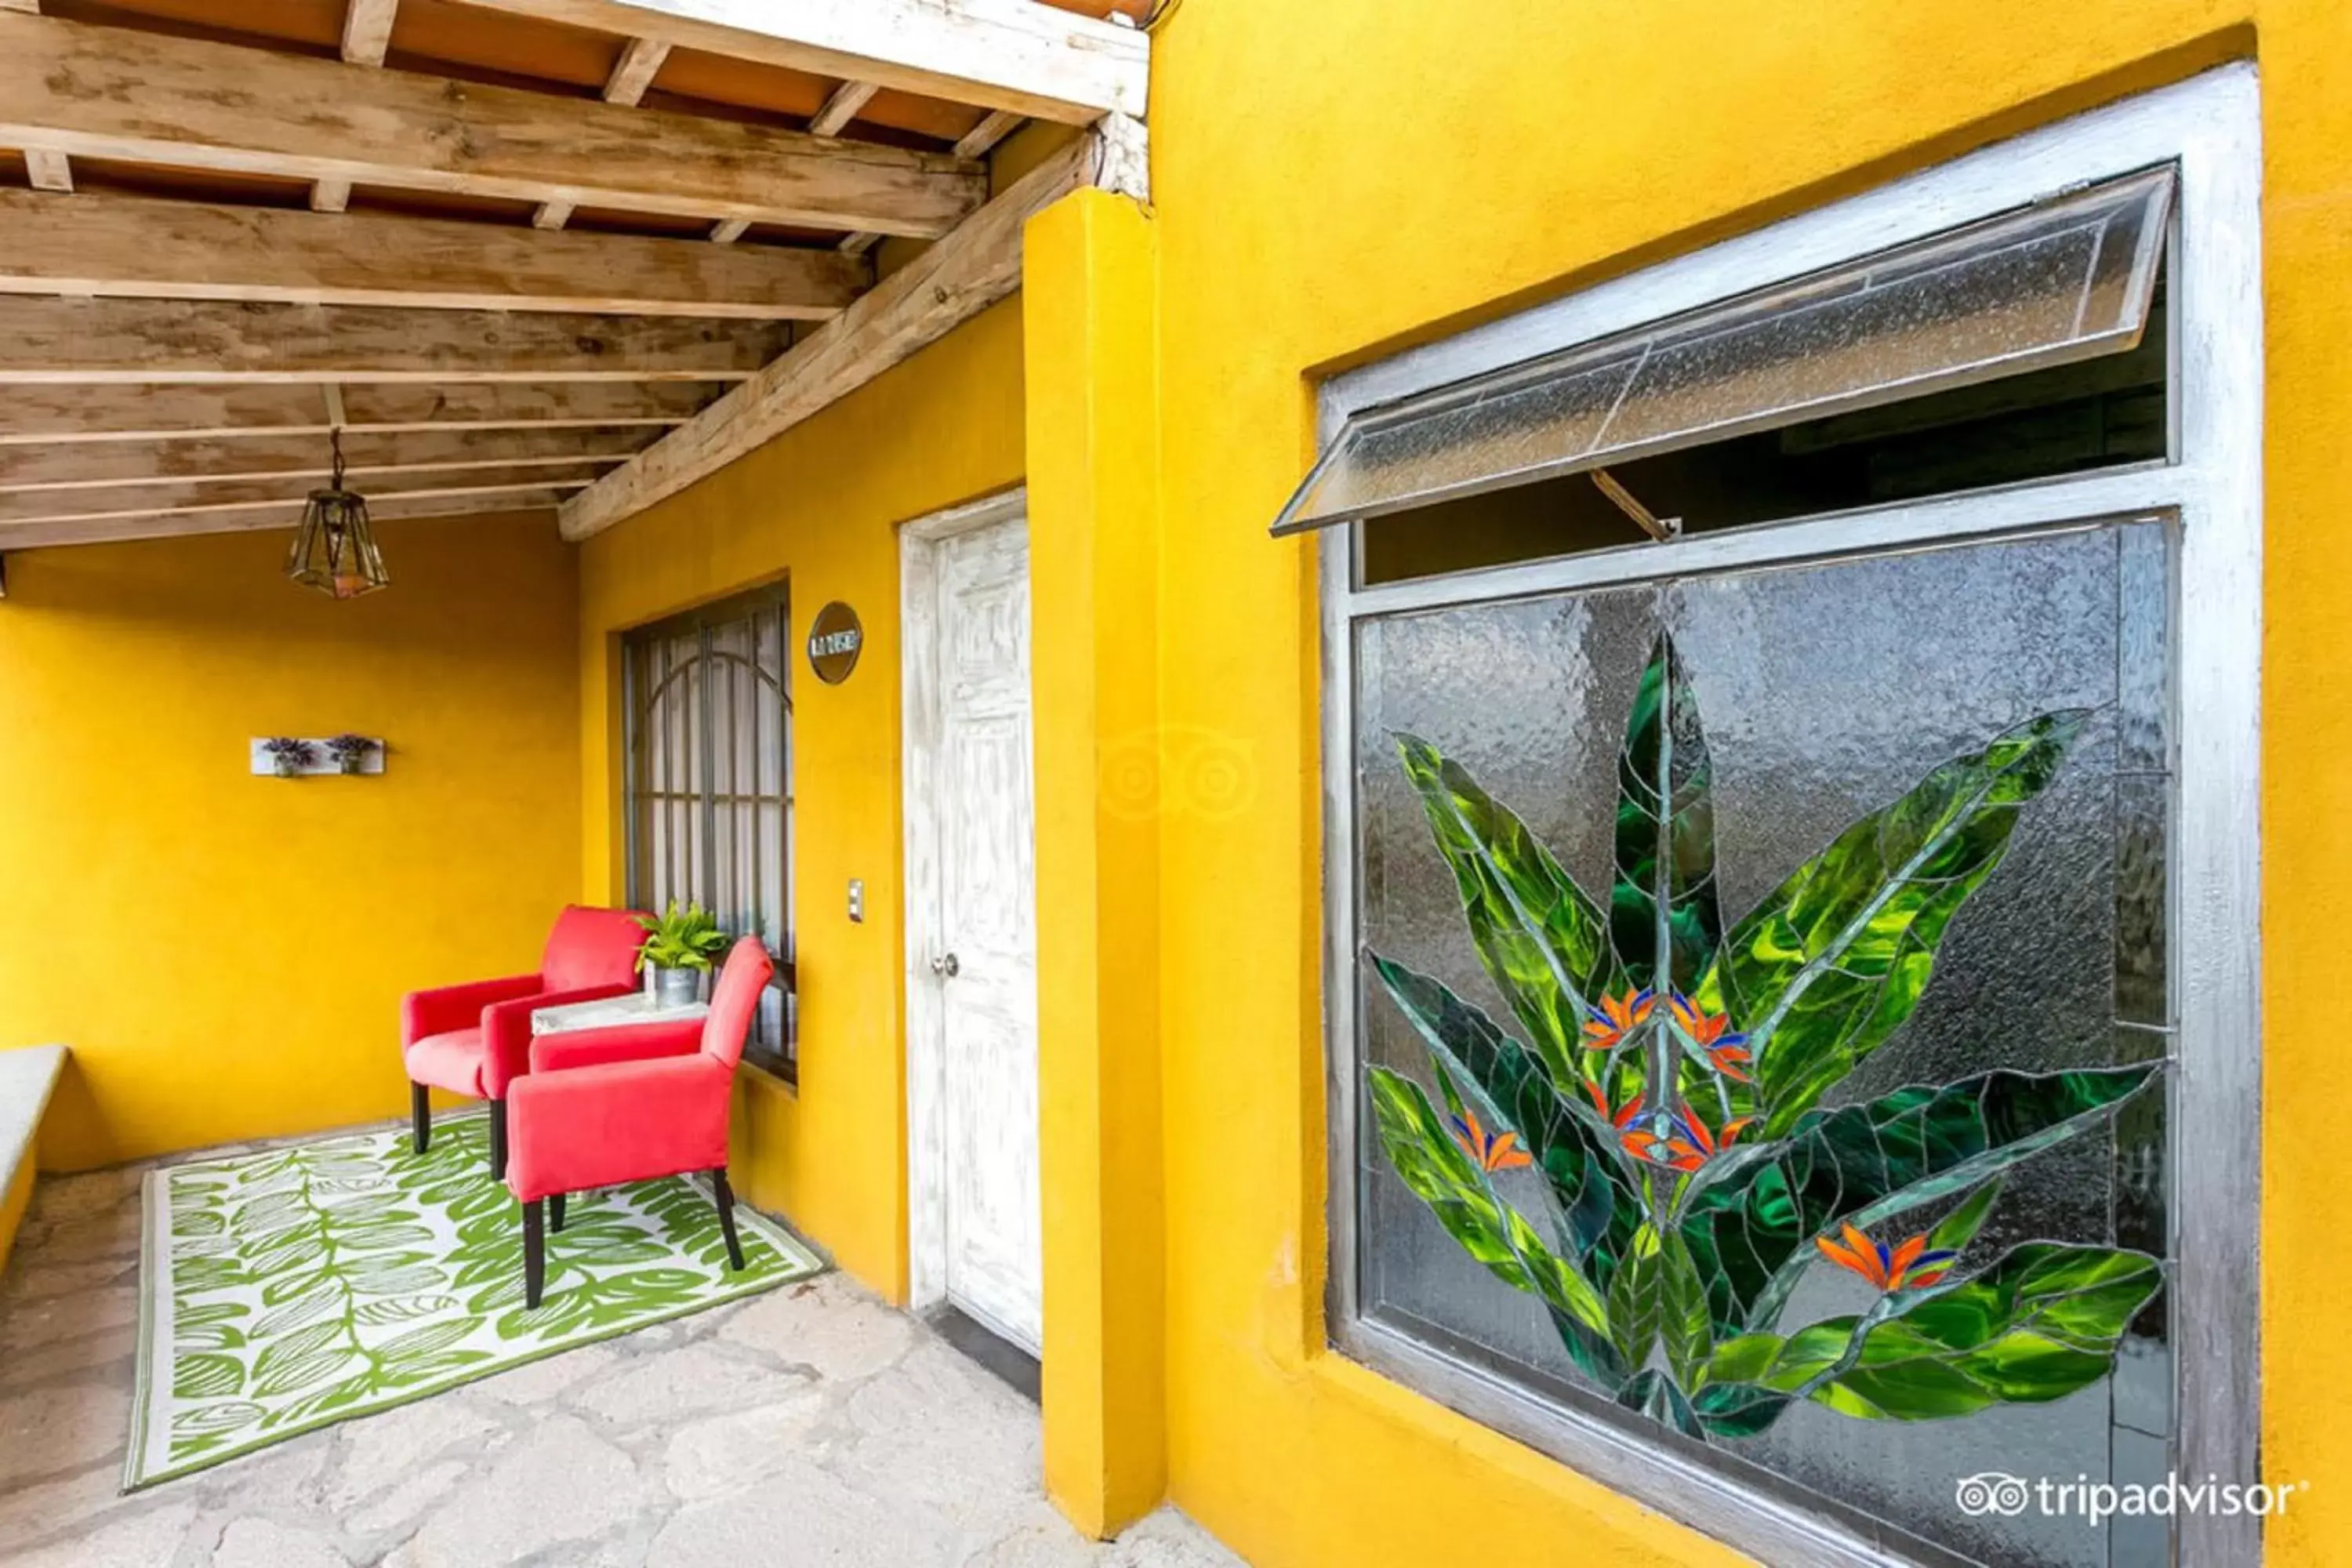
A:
<point x="1091" y="341"/>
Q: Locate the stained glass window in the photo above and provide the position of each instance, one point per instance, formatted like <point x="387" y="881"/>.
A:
<point x="1764" y="1019"/>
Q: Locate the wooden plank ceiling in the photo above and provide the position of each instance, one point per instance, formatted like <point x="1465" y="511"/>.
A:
<point x="522" y="253"/>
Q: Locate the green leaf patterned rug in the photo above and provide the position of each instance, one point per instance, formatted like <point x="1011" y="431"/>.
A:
<point x="286" y="1289"/>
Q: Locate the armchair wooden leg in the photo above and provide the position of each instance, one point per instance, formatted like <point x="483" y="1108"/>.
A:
<point x="498" y="1140"/>
<point x="420" y="1116"/>
<point x="725" y="1196"/>
<point x="534" y="1252"/>
<point x="555" y="1212"/>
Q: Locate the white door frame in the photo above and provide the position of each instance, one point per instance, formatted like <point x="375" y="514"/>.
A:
<point x="918" y="542"/>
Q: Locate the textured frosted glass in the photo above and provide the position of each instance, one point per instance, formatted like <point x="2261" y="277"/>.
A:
<point x="2065" y="280"/>
<point x="1826" y="691"/>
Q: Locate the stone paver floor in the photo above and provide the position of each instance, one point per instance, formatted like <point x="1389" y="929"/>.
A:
<point x="809" y="1425"/>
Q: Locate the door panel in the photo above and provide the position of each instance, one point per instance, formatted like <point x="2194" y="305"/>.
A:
<point x="982" y="799"/>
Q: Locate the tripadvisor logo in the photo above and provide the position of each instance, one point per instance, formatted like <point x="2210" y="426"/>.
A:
<point x="1995" y="1492"/>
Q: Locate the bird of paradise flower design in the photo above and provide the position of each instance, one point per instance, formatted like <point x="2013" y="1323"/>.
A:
<point x="1660" y="1110"/>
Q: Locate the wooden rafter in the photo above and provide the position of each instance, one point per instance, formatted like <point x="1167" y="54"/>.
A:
<point x="56" y="470"/>
<point x="939" y="290"/>
<point x="841" y="107"/>
<point x="1032" y="59"/>
<point x="367" y="38"/>
<point x="132" y="247"/>
<point x="112" y="93"/>
<point x="982" y="138"/>
<point x="460" y="501"/>
<point x="65" y="417"/>
<point x="48" y="169"/>
<point x="641" y="60"/>
<point x="202" y="500"/>
<point x="367" y="30"/>
<point x="139" y="340"/>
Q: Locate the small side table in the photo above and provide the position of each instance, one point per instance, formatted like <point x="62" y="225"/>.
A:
<point x="634" y="1008"/>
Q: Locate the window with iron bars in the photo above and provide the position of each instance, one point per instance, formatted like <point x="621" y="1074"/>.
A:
<point x="708" y="783"/>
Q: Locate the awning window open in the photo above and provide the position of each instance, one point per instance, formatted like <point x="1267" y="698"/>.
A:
<point x="2068" y="278"/>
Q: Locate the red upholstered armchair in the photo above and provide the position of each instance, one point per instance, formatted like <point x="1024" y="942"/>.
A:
<point x="476" y="1039"/>
<point x="602" y="1107"/>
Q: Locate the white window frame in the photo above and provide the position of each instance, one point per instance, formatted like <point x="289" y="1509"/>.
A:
<point x="2211" y="128"/>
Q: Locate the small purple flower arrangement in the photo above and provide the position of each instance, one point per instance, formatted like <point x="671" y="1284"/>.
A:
<point x="351" y="752"/>
<point x="290" y="755"/>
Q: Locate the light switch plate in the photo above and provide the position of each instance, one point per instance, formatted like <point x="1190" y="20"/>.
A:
<point x="857" y="900"/>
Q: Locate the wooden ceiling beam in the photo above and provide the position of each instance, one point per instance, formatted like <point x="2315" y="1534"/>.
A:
<point x="367" y="30"/>
<point x="206" y="499"/>
<point x="367" y="40"/>
<point x="641" y="60"/>
<point x="128" y="341"/>
<point x="48" y="169"/>
<point x="461" y="501"/>
<point x="62" y="469"/>
<point x="1032" y="59"/>
<point x="935" y="292"/>
<point x="367" y="37"/>
<point x="132" y="247"/>
<point x="100" y="415"/>
<point x="841" y="107"/>
<point x="111" y="92"/>
<point x="982" y="138"/>
<point x="976" y="143"/>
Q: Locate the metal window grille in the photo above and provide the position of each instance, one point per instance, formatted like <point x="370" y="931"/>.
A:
<point x="709" y="783"/>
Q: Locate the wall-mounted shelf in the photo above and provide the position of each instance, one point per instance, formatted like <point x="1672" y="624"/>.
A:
<point x="322" y="762"/>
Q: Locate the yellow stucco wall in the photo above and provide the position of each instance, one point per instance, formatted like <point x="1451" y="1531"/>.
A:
<point x="1332" y="181"/>
<point x="819" y="506"/>
<point x="226" y="954"/>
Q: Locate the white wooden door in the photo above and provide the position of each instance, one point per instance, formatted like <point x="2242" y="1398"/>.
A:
<point x="984" y="929"/>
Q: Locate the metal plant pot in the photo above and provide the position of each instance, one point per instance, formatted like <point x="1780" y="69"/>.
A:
<point x="676" y="987"/>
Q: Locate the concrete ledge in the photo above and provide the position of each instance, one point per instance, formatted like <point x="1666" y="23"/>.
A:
<point x="28" y="1075"/>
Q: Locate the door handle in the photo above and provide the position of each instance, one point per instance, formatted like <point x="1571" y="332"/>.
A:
<point x="946" y="966"/>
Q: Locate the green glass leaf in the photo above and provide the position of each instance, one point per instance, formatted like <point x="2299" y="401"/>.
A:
<point x="1634" y="1300"/>
<point x="1662" y="909"/>
<point x="1656" y="1301"/>
<point x="1959" y="1227"/>
<point x="1598" y="1205"/>
<point x="1684" y="1327"/>
<point x="1654" y="1393"/>
<point x="1435" y="1170"/>
<point x="1826" y="968"/>
<point x="2042" y="1322"/>
<point x="1750" y="1224"/>
<point x="1541" y="938"/>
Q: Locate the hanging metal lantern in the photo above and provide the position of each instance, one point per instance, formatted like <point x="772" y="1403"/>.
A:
<point x="334" y="547"/>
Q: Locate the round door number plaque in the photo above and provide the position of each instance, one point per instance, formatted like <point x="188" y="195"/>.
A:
<point x="833" y="643"/>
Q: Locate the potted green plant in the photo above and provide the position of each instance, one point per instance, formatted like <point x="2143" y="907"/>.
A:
<point x="351" y="752"/>
<point x="289" y="756"/>
<point x="680" y="947"/>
